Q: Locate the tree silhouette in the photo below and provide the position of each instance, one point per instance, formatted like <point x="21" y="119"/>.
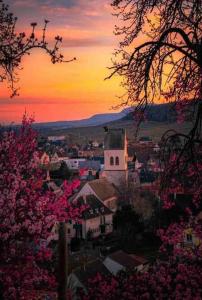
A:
<point x="14" y="45"/>
<point x="128" y="223"/>
<point x="160" y="55"/>
<point x="63" y="173"/>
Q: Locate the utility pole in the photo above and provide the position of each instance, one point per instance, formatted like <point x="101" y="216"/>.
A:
<point x="62" y="262"/>
<point x="159" y="210"/>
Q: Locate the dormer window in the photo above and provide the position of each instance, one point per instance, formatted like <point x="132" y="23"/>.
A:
<point x="117" y="160"/>
<point x="111" y="161"/>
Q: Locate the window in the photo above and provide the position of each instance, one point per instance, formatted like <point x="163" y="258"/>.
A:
<point x="102" y="220"/>
<point x="111" y="161"/>
<point x="117" y="160"/>
<point x="189" y="238"/>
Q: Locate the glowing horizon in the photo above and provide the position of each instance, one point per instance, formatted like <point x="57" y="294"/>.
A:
<point x="69" y="91"/>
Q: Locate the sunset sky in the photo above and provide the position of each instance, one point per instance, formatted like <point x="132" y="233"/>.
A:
<point x="66" y="91"/>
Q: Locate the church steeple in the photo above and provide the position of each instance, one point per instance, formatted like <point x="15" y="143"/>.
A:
<point x="115" y="156"/>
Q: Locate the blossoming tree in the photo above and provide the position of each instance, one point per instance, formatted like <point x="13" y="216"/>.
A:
<point x="27" y="215"/>
<point x="163" y="281"/>
<point x="27" y="212"/>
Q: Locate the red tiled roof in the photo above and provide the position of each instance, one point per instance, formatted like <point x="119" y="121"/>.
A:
<point x="103" y="189"/>
<point x="127" y="260"/>
<point x="139" y="259"/>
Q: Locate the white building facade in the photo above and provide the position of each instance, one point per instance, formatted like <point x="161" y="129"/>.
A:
<point x="116" y="157"/>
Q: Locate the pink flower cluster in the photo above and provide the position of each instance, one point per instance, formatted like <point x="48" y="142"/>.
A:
<point x="164" y="280"/>
<point x="27" y="214"/>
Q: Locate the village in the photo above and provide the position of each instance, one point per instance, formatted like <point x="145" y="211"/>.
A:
<point x="100" y="149"/>
<point x="119" y="184"/>
<point x="103" y="178"/>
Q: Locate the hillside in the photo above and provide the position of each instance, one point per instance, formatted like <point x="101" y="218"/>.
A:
<point x="94" y="120"/>
<point x="156" y="113"/>
<point x="153" y="129"/>
<point x="160" y="118"/>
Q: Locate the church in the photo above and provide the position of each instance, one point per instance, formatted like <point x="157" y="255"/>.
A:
<point x="103" y="193"/>
<point x="115" y="156"/>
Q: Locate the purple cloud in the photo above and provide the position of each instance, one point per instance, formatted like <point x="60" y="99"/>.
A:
<point x="93" y="16"/>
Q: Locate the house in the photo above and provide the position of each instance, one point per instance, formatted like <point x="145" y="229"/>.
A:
<point x="62" y="156"/>
<point x="73" y="163"/>
<point x="156" y="148"/>
<point x="116" y="156"/>
<point x="97" y="219"/>
<point x="55" y="158"/>
<point x="56" y="138"/>
<point x="80" y="153"/>
<point x="79" y="277"/>
<point x="71" y="232"/>
<point x="44" y="163"/>
<point x="154" y="163"/>
<point x="56" y="186"/>
<point x="118" y="261"/>
<point x="105" y="191"/>
<point x="59" y="156"/>
<point x="90" y="169"/>
<point x="44" y="158"/>
<point x="191" y="238"/>
<point x="121" y="261"/>
<point x="85" y="153"/>
<point x="95" y="144"/>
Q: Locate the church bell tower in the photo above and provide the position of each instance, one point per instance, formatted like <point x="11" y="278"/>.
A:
<point x="116" y="156"/>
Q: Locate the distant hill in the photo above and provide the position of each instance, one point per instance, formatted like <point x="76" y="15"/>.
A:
<point x="156" y="113"/>
<point x="160" y="118"/>
<point x="95" y="120"/>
